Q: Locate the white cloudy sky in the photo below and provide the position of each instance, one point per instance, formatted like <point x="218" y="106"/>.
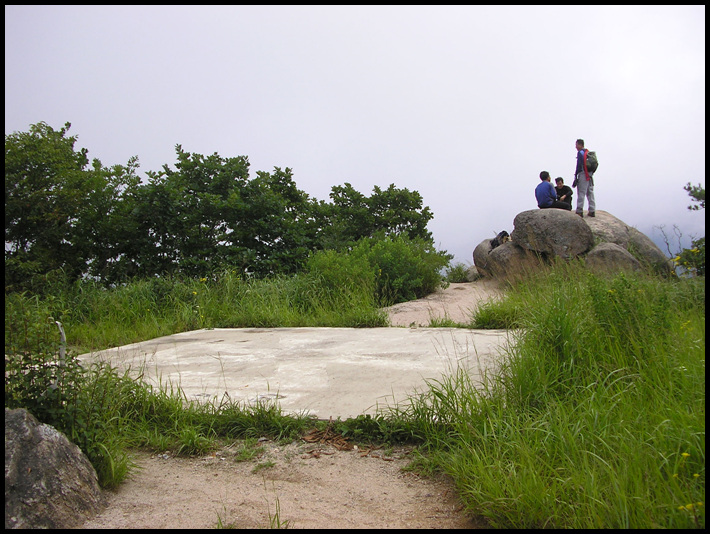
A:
<point x="465" y="104"/>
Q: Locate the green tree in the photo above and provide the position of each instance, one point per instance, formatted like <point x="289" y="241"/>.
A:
<point x="352" y="216"/>
<point x="181" y="217"/>
<point x="53" y="200"/>
<point x="697" y="193"/>
<point x="65" y="216"/>
<point x="105" y="225"/>
<point x="283" y="223"/>
<point x="693" y="259"/>
<point x="400" y="212"/>
<point x="207" y="214"/>
<point x="347" y="218"/>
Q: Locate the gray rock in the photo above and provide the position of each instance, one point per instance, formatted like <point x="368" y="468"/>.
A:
<point x="541" y="235"/>
<point x="481" y="260"/>
<point x="49" y="482"/>
<point x="648" y="253"/>
<point x="609" y="229"/>
<point x="508" y="261"/>
<point x="610" y="258"/>
<point x="553" y="232"/>
<point x="472" y="274"/>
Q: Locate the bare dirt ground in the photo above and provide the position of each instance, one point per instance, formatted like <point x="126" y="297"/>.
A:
<point x="296" y="486"/>
<point x="304" y="484"/>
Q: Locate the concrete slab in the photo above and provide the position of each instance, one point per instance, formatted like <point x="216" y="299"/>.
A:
<point x="325" y="372"/>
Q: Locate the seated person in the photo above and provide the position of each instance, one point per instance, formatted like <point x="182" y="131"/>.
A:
<point x="546" y="194"/>
<point x="564" y="192"/>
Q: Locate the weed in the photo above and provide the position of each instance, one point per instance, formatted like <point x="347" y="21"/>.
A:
<point x="263" y="465"/>
<point x="457" y="273"/>
<point x="248" y="450"/>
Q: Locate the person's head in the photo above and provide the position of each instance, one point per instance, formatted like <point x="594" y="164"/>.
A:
<point x="579" y="144"/>
<point x="545" y="176"/>
<point x="559" y="182"/>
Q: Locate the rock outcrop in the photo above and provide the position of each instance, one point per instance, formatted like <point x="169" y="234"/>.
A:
<point x="552" y="232"/>
<point x="607" y="244"/>
<point x="49" y="482"/>
<point x="608" y="229"/>
<point x="611" y="258"/>
<point x="509" y="260"/>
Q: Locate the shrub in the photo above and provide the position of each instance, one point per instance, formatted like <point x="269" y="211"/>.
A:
<point x="53" y="387"/>
<point x="457" y="273"/>
<point x="692" y="260"/>
<point x="341" y="271"/>
<point x="405" y="269"/>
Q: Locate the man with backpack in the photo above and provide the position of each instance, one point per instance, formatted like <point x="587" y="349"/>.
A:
<point x="584" y="181"/>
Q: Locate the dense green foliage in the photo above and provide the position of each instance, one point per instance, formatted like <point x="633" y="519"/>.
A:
<point x="335" y="289"/>
<point x="58" y="210"/>
<point x="405" y="269"/>
<point x="456" y="273"/>
<point x="66" y="219"/>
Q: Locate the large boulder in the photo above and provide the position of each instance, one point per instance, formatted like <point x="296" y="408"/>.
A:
<point x="607" y="228"/>
<point x="49" y="482"/>
<point x="552" y="232"/>
<point x="508" y="260"/>
<point x="610" y="258"/>
<point x="541" y="235"/>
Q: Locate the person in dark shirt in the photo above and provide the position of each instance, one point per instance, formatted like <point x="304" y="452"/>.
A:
<point x="564" y="192"/>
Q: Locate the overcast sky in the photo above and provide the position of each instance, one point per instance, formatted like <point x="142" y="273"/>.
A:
<point x="464" y="104"/>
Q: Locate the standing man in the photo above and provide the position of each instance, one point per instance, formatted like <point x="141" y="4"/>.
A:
<point x="546" y="194"/>
<point x="564" y="192"/>
<point x="584" y="182"/>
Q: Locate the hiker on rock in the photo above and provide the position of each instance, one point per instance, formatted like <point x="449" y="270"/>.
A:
<point x="583" y="181"/>
<point x="564" y="192"/>
<point x="546" y="194"/>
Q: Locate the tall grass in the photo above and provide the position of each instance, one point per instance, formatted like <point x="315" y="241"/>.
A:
<point x="597" y="418"/>
<point x="95" y="317"/>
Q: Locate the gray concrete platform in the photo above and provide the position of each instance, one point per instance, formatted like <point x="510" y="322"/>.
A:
<point x="325" y="372"/>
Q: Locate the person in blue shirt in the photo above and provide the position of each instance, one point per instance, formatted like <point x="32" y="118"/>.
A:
<point x="546" y="194"/>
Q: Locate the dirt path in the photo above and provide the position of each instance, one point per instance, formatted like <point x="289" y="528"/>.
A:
<point x="299" y="485"/>
<point x="296" y="486"/>
<point x="457" y="302"/>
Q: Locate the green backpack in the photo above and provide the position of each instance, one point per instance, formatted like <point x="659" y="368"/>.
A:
<point x="590" y="161"/>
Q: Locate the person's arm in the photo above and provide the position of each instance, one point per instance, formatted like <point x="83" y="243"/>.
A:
<point x="552" y="193"/>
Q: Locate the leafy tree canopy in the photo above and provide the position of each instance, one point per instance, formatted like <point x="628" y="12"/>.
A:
<point x="54" y="202"/>
<point x="64" y="216"/>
